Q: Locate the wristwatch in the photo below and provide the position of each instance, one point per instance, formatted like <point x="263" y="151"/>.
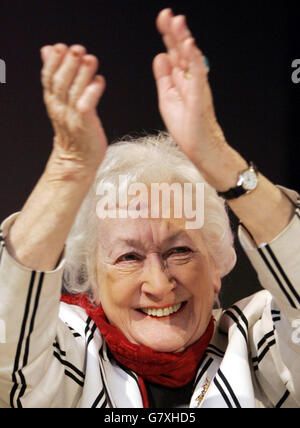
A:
<point x="246" y="183"/>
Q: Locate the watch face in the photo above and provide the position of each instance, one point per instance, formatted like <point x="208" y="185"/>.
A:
<point x="249" y="180"/>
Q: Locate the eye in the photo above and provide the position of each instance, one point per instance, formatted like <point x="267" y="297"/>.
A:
<point x="178" y="251"/>
<point x="129" y="257"/>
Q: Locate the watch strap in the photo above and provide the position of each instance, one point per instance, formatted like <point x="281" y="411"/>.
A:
<point x="237" y="191"/>
<point x="233" y="193"/>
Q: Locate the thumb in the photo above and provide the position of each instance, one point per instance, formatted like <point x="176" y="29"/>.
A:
<point x="162" y="70"/>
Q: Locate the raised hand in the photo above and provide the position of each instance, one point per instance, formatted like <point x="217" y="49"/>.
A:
<point x="184" y="94"/>
<point x="71" y="93"/>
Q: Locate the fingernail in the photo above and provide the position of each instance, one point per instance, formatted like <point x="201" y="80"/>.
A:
<point x="86" y="60"/>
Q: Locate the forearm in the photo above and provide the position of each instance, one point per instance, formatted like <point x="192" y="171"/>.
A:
<point x="265" y="212"/>
<point x="37" y="238"/>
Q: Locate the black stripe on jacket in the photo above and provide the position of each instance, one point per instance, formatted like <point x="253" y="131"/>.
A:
<point x="226" y="390"/>
<point x="102" y="400"/>
<point x="18" y="377"/>
<point x="282" y="399"/>
<point x="280" y="276"/>
<point x="98" y="400"/>
<point x="103" y="396"/>
<point x="202" y="371"/>
<point x="71" y="371"/>
<point x="239" y="325"/>
<point x="268" y="340"/>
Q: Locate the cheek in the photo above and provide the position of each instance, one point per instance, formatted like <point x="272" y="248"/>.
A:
<point x="116" y="289"/>
<point x="197" y="278"/>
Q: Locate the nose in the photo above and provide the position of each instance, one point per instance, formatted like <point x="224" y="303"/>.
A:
<point x="157" y="282"/>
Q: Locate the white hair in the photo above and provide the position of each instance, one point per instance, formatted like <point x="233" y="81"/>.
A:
<point x="153" y="158"/>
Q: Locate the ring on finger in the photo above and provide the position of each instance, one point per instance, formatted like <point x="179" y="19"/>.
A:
<point x="187" y="74"/>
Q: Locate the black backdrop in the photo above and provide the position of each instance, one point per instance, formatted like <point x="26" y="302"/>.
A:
<point x="250" y="46"/>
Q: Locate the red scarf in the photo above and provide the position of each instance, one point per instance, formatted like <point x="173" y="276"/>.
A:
<point x="164" y="368"/>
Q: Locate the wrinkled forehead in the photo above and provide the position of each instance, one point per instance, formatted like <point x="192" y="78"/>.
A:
<point x="147" y="233"/>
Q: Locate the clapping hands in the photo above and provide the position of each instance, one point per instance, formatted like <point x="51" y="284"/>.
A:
<point x="72" y="90"/>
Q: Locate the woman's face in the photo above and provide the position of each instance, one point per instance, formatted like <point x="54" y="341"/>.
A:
<point x="157" y="281"/>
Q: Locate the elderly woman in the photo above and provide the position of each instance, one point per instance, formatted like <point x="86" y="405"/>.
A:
<point x="141" y="331"/>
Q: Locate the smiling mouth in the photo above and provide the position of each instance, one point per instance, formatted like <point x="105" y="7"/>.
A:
<point x="163" y="312"/>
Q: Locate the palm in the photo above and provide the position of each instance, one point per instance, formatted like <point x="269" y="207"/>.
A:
<point x="71" y="94"/>
<point x="185" y="99"/>
<point x="182" y="111"/>
<point x="76" y="127"/>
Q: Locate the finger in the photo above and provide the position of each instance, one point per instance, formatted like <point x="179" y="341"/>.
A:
<point x="192" y="55"/>
<point x="46" y="52"/>
<point x="189" y="53"/>
<point x="66" y="73"/>
<point x="84" y="76"/>
<point x="163" y="23"/>
<point x="180" y="33"/>
<point x="91" y="95"/>
<point x="162" y="70"/>
<point x="55" y="58"/>
<point x="180" y="82"/>
<point x="179" y="29"/>
<point x="172" y="50"/>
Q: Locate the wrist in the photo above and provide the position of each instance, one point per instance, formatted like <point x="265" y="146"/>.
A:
<point x="62" y="167"/>
<point x="221" y="168"/>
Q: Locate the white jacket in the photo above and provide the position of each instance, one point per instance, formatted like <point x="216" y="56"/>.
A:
<point x="53" y="355"/>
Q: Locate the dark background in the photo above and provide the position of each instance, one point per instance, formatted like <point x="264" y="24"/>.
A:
<point x="250" y="46"/>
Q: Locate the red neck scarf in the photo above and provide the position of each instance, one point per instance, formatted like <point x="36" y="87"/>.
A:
<point x="164" y="368"/>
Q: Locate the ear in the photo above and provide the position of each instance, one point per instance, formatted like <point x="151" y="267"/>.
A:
<point x="216" y="277"/>
<point x="217" y="284"/>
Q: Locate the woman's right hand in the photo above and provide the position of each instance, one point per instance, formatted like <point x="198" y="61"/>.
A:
<point x="72" y="91"/>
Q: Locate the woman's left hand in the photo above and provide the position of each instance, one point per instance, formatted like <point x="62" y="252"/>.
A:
<point x="185" y="99"/>
<point x="186" y="106"/>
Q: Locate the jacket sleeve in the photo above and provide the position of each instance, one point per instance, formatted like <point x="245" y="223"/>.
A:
<point x="29" y="327"/>
<point x="276" y="336"/>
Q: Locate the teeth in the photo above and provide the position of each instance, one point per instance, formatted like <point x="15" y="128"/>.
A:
<point x="162" y="312"/>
